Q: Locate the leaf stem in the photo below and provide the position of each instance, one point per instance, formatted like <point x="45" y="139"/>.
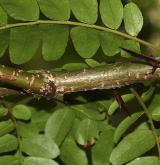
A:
<point x="72" y="23"/>
<point x="18" y="139"/>
<point x="10" y="115"/>
<point x="139" y="99"/>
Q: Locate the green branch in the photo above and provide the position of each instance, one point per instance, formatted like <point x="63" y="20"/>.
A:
<point x="50" y="84"/>
<point x="71" y="23"/>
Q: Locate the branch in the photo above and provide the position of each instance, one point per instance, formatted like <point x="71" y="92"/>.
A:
<point x="49" y="84"/>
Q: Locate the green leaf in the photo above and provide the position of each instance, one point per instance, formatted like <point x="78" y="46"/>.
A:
<point x="114" y="106"/>
<point x="146" y="96"/>
<point x="69" y="147"/>
<point x="4" y="42"/>
<point x="133" y="19"/>
<point x="147" y="160"/>
<point x="6" y="127"/>
<point x="74" y="66"/>
<point x="125" y="124"/>
<point x="154" y="102"/>
<point x="8" y="143"/>
<point x="143" y="126"/>
<point x="154" y="107"/>
<point x="3" y="111"/>
<point x="38" y="161"/>
<point x="21" y="112"/>
<point x="91" y="112"/>
<point x="3" y="17"/>
<point x="111" y="13"/>
<point x="132" y="146"/>
<point x="9" y="160"/>
<point x="24" y="42"/>
<point x="39" y="119"/>
<point x="110" y="43"/>
<point x="40" y="146"/>
<point x="131" y="45"/>
<point x="26" y="10"/>
<point x="55" y="39"/>
<point x="73" y="131"/>
<point x="87" y="132"/>
<point x="55" y="9"/>
<point x="59" y="124"/>
<point x="27" y="129"/>
<point x="105" y="103"/>
<point x="93" y="63"/>
<point x="85" y="10"/>
<point x="156" y="113"/>
<point x="102" y="149"/>
<point x="85" y="41"/>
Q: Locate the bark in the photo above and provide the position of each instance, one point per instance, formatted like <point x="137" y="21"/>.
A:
<point x="50" y="84"/>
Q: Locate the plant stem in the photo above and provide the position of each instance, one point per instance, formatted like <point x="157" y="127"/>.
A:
<point x="10" y="115"/>
<point x="139" y="99"/>
<point x="72" y="23"/>
<point x="18" y="139"/>
<point x="50" y="84"/>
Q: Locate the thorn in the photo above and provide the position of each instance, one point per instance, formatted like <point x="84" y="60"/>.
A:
<point x="120" y="101"/>
<point x="153" y="70"/>
<point x="148" y="59"/>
